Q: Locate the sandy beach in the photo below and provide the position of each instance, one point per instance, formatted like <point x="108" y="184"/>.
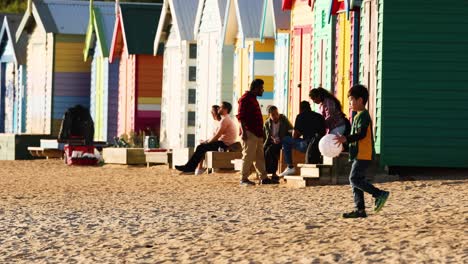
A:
<point x="51" y="213"/>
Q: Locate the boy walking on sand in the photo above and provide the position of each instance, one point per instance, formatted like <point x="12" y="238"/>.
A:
<point x="361" y="153"/>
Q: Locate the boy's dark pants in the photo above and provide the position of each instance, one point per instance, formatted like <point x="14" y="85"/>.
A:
<point x="358" y="181"/>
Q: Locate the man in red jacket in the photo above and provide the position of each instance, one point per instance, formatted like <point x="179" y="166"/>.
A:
<point x="251" y="120"/>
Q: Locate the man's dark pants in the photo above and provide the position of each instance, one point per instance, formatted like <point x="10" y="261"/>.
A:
<point x="272" y="152"/>
<point x="200" y="152"/>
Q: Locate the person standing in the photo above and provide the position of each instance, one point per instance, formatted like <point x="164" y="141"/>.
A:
<point x="251" y="131"/>
<point x="361" y="154"/>
<point x="276" y="128"/>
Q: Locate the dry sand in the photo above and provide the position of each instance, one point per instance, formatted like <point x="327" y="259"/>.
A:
<point x="51" y="213"/>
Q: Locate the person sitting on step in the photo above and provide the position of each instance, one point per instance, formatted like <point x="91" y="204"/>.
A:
<point x="225" y="136"/>
<point x="311" y="127"/>
<point x="276" y="127"/>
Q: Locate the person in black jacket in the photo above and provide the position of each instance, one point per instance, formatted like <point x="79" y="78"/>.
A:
<point x="309" y="128"/>
<point x="276" y="128"/>
<point x="77" y="123"/>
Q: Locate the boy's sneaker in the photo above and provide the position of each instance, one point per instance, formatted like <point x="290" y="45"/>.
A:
<point x="355" y="214"/>
<point x="288" y="171"/>
<point x="268" y="181"/>
<point x="247" y="183"/>
<point x="380" y="201"/>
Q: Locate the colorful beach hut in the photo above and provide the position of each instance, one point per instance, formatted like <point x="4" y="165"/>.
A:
<point x="276" y="24"/>
<point x="57" y="76"/>
<point x="12" y="80"/>
<point x="140" y="73"/>
<point x="104" y="75"/>
<point x="252" y="58"/>
<point x="420" y="86"/>
<point x="302" y="22"/>
<point x="214" y="64"/>
<point x="175" y="31"/>
<point x="347" y="47"/>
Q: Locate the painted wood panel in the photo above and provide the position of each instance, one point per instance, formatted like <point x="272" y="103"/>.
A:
<point x="172" y="118"/>
<point x="323" y="47"/>
<point x="149" y="70"/>
<point x="423" y="91"/>
<point x="301" y="57"/>
<point x="207" y="81"/>
<point x="281" y="81"/>
<point x="113" y="99"/>
<point x="39" y="82"/>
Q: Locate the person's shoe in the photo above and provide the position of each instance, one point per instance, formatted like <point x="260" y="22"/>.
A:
<point x="355" y="214"/>
<point x="380" y="201"/>
<point x="288" y="171"/>
<point x="275" y="178"/>
<point x="247" y="183"/>
<point x="184" y="169"/>
<point x="199" y="171"/>
<point x="268" y="181"/>
<point x="180" y="167"/>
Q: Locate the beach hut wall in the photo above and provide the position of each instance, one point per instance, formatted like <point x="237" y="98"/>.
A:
<point x="104" y="75"/>
<point x="214" y="63"/>
<point x="421" y="83"/>
<point x="276" y="24"/>
<point x="57" y="76"/>
<point x="347" y="49"/>
<point x="301" y="57"/>
<point x="13" y="100"/>
<point x="253" y="59"/>
<point x="175" y="31"/>
<point x="140" y="73"/>
<point x="324" y="47"/>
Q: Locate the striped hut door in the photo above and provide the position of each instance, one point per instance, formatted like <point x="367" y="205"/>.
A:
<point x="343" y="61"/>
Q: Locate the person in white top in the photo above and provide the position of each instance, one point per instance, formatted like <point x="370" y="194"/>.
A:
<point x="225" y="136"/>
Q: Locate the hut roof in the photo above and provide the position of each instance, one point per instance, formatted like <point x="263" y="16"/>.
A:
<point x="181" y="13"/>
<point x="274" y="18"/>
<point x="136" y="26"/>
<point x="243" y="19"/>
<point x="100" y="28"/>
<point x="9" y="26"/>
<point x="222" y="4"/>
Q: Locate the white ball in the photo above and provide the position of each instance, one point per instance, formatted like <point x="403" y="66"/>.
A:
<point x="329" y="147"/>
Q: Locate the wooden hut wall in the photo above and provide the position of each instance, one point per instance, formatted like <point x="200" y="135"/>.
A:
<point x="149" y="71"/>
<point x="324" y="47"/>
<point x="347" y="56"/>
<point x="214" y="67"/>
<point x="281" y="77"/>
<point x="370" y="31"/>
<point x="40" y="54"/>
<point x="72" y="77"/>
<point x="302" y="20"/>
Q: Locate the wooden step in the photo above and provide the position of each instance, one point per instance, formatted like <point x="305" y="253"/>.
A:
<point x="221" y="160"/>
<point x="156" y="158"/>
<point x="300" y="181"/>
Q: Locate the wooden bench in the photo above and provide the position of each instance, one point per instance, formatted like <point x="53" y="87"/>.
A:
<point x="39" y="152"/>
<point x="157" y="158"/>
<point x="221" y="160"/>
<point x="124" y="156"/>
